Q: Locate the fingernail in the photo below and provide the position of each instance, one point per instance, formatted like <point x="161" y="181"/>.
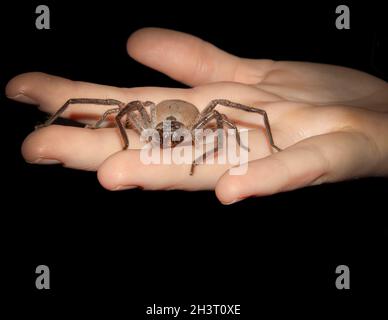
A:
<point x="46" y="161"/>
<point x="124" y="188"/>
<point x="231" y="202"/>
<point x="23" y="98"/>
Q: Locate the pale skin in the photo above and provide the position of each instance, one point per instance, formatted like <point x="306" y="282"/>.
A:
<point x="331" y="122"/>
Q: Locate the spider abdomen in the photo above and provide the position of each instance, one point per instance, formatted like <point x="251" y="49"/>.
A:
<point x="183" y="112"/>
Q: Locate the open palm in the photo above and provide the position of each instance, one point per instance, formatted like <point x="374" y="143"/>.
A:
<point x="330" y="121"/>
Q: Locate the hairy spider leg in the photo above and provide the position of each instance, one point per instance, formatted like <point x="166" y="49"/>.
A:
<point x="103" y="118"/>
<point x="58" y="113"/>
<point x="214" y="114"/>
<point x="230" y="104"/>
<point x="231" y="125"/>
<point x="143" y="119"/>
<point x="225" y="121"/>
<point x="152" y="112"/>
<point x="138" y="125"/>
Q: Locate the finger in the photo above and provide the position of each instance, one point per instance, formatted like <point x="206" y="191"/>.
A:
<point x="51" y="92"/>
<point x="322" y="83"/>
<point x="326" y="158"/>
<point x="73" y="147"/>
<point x="125" y="170"/>
<point x="191" y="60"/>
<point x="130" y="169"/>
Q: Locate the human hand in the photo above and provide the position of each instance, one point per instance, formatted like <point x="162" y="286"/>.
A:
<point x="331" y="122"/>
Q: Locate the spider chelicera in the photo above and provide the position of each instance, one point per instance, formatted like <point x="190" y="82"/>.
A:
<point x="180" y="114"/>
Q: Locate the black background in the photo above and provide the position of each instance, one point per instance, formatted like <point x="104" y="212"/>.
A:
<point x="116" y="252"/>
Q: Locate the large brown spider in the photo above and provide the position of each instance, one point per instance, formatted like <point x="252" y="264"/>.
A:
<point x="180" y="114"/>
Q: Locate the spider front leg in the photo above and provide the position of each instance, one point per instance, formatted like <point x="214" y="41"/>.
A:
<point x="60" y="111"/>
<point x="139" y="124"/>
<point x="103" y="118"/>
<point x="219" y="140"/>
<point x="230" y="104"/>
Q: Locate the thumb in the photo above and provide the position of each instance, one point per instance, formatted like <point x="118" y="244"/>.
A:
<point x="191" y="60"/>
<point x="325" y="158"/>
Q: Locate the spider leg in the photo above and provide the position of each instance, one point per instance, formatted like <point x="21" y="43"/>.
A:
<point x="129" y="110"/>
<point x="203" y="157"/>
<point x="58" y="113"/>
<point x="152" y="112"/>
<point x="206" y="118"/>
<point x="145" y="120"/>
<point x="103" y="118"/>
<point x="153" y="115"/>
<point x="219" y="138"/>
<point x="231" y="125"/>
<point x="230" y="104"/>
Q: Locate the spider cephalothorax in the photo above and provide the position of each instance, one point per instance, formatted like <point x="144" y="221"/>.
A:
<point x="172" y="120"/>
<point x="170" y="132"/>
